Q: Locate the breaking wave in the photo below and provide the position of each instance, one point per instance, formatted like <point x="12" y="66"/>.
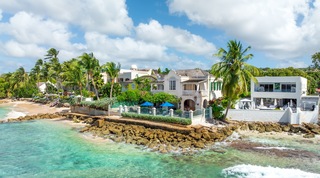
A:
<point x="252" y="171"/>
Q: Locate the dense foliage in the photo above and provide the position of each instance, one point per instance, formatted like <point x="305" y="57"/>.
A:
<point x="137" y="96"/>
<point x="98" y="104"/>
<point x="313" y="77"/>
<point x="218" y="106"/>
<point x="157" y="118"/>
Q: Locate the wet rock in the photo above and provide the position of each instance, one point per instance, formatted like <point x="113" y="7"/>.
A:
<point x="186" y="144"/>
<point x="252" y="126"/>
<point x="162" y="149"/>
<point x="285" y="128"/>
<point x="99" y="123"/>
<point x="309" y="135"/>
<point x="85" y="129"/>
<point x="117" y="139"/>
<point x="316" y="130"/>
<point x="294" y="128"/>
<point x="198" y="144"/>
<point x="106" y="132"/>
<point x="195" y="135"/>
<point x="142" y="141"/>
<point x="12" y="120"/>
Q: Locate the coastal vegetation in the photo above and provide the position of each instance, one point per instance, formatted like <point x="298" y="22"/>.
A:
<point x="157" y="118"/>
<point x="82" y="76"/>
<point x="234" y="70"/>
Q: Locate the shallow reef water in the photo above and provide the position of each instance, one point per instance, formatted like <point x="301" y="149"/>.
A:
<point x="46" y="148"/>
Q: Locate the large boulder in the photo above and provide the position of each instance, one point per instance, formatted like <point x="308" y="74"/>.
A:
<point x="198" y="144"/>
<point x="99" y="123"/>
<point x="186" y="144"/>
<point x="309" y="135"/>
<point x="285" y="128"/>
<point x="195" y="135"/>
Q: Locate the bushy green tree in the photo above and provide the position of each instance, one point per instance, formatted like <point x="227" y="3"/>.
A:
<point x="106" y="89"/>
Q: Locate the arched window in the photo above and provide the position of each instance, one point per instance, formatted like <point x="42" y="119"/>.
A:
<point x="172" y="83"/>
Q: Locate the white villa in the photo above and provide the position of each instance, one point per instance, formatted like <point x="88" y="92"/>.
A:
<point x="195" y="87"/>
<point x="126" y="76"/>
<point x="271" y="92"/>
<point x="278" y="99"/>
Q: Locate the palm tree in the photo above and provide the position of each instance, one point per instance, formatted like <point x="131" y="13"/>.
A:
<point x="36" y="70"/>
<point x="73" y="74"/>
<point x="45" y="71"/>
<point x="234" y="70"/>
<point x="55" y="66"/>
<point x="20" y="76"/>
<point x="91" y="64"/>
<point x="8" y="83"/>
<point x="113" y="72"/>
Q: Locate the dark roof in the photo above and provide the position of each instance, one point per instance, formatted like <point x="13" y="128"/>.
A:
<point x="194" y="81"/>
<point x="195" y="73"/>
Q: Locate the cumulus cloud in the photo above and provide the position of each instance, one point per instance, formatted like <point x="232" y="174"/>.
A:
<point x="129" y="51"/>
<point x="29" y="28"/>
<point x="0" y="14"/>
<point x="106" y="16"/>
<point x="282" y="29"/>
<point x="180" y="39"/>
<point x="15" y="49"/>
<point x="122" y="48"/>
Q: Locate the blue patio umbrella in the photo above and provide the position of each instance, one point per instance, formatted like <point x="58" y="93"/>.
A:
<point x="166" y="104"/>
<point x="147" y="104"/>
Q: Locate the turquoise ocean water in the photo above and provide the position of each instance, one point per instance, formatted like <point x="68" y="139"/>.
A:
<point x="52" y="149"/>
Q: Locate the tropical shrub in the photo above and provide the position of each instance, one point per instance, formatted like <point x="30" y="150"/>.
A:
<point x="218" y="106"/>
<point x="98" y="104"/>
<point x="157" y="118"/>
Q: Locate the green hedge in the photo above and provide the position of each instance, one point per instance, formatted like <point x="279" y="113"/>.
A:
<point x="101" y="104"/>
<point x="175" y="120"/>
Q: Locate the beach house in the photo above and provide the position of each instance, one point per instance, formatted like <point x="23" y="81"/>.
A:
<point x="194" y="87"/>
<point x="126" y="76"/>
<point x="278" y="99"/>
<point x="272" y="92"/>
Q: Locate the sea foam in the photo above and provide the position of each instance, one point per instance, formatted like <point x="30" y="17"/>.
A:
<point x="275" y="147"/>
<point x="252" y="171"/>
<point x="14" y="114"/>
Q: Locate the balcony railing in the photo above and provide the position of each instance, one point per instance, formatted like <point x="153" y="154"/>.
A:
<point x="285" y="91"/>
<point x="194" y="92"/>
<point x="188" y="92"/>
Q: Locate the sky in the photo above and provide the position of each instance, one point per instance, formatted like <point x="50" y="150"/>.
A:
<point x="174" y="34"/>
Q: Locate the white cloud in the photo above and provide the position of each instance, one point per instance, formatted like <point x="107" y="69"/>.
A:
<point x="15" y="49"/>
<point x="292" y="63"/>
<point x="129" y="51"/>
<point x="181" y="40"/>
<point x="27" y="28"/>
<point x="106" y="16"/>
<point x="0" y="14"/>
<point x="123" y="48"/>
<point x="283" y="29"/>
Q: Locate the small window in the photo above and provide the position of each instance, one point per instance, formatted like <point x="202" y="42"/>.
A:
<point x="172" y="84"/>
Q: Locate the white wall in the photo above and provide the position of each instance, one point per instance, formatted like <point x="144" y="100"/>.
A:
<point x="308" y="116"/>
<point x="286" y="116"/>
<point x="259" y="115"/>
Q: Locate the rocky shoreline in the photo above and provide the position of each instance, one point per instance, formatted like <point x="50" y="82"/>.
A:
<point x="164" y="139"/>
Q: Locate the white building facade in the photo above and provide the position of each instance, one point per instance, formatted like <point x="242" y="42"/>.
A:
<point x="278" y="92"/>
<point x="279" y="99"/>
<point x="194" y="87"/>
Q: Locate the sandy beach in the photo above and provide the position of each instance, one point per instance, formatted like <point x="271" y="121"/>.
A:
<point x="30" y="108"/>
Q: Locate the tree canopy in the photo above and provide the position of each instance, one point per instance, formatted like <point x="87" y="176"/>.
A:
<point x="234" y="71"/>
